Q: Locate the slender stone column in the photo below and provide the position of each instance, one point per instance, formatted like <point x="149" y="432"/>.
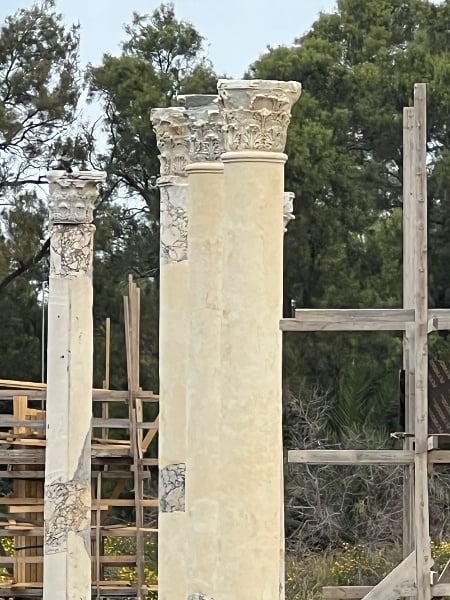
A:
<point x="67" y="503"/>
<point x="203" y="444"/>
<point x="256" y="116"/>
<point x="172" y="131"/>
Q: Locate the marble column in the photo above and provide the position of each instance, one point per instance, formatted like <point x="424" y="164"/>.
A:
<point x="203" y="410"/>
<point x="256" y="115"/>
<point x="172" y="132"/>
<point x="67" y="495"/>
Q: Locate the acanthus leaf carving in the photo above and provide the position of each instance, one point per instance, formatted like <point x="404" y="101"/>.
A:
<point x="172" y="137"/>
<point x="73" y="196"/>
<point x="256" y="113"/>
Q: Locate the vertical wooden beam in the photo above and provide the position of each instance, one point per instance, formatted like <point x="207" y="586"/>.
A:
<point x="132" y="317"/>
<point x="421" y="513"/>
<point x="105" y="405"/>
<point x="409" y="245"/>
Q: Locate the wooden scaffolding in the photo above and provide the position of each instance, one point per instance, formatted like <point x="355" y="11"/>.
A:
<point x="124" y="511"/>
<point x="414" y="576"/>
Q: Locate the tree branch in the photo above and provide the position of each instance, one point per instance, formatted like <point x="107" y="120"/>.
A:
<point x="26" y="266"/>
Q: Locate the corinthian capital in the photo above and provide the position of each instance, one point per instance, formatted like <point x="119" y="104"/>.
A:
<point x="73" y="196"/>
<point x="206" y="127"/>
<point x="172" y="136"/>
<point x="256" y="113"/>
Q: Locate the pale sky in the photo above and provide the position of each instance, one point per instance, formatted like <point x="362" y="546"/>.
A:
<point x="237" y="32"/>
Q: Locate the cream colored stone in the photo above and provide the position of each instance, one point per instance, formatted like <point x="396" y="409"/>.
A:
<point x="67" y="496"/>
<point x="172" y="136"/>
<point x="73" y="196"/>
<point x="256" y="116"/>
<point x="251" y="469"/>
<point x="203" y="412"/>
<point x="257" y="113"/>
<point x="172" y="132"/>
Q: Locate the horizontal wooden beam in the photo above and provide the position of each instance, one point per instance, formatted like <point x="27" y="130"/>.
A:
<point x="440" y="589"/>
<point x="354" y="592"/>
<point x="349" y="319"/>
<point x="351" y="457"/>
<point x="441" y="316"/>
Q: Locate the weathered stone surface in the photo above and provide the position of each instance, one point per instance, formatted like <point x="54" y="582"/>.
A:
<point x="71" y="250"/>
<point x="73" y="196"/>
<point x="173" y="223"/>
<point x="206" y="127"/>
<point x="68" y="509"/>
<point x="172" y="488"/>
<point x="256" y="113"/>
<point x="288" y="208"/>
<point x="172" y="137"/>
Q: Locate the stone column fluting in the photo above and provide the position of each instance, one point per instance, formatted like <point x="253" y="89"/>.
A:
<point x="256" y="115"/>
<point x="172" y="133"/>
<point x="67" y="495"/>
<point x="204" y="448"/>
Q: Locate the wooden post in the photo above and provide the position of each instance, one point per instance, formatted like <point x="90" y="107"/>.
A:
<point x="408" y="335"/>
<point x="421" y="513"/>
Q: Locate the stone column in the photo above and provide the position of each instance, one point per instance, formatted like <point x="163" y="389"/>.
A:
<point x="203" y="444"/>
<point x="67" y="502"/>
<point x="172" y="132"/>
<point x="256" y="116"/>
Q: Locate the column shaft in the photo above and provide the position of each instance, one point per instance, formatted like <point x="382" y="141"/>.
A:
<point x="203" y="418"/>
<point x="251" y="461"/>
<point x="67" y="504"/>
<point x="173" y="336"/>
<point x="256" y="115"/>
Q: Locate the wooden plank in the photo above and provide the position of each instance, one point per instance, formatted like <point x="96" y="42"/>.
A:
<point x="441" y="589"/>
<point x="343" y="319"/>
<point x="392" y="586"/>
<point x="351" y="457"/>
<point x="409" y="270"/>
<point x="421" y="514"/>
<point x="444" y="577"/>
<point x="150" y="435"/>
<point x="353" y="592"/>
<point x="442" y="316"/>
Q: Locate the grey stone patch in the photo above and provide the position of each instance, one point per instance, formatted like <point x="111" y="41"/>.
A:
<point x="172" y="488"/>
<point x="200" y="596"/>
<point x="70" y="511"/>
<point x="71" y="250"/>
<point x="174" y="226"/>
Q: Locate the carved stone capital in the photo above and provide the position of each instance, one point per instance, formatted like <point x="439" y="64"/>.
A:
<point x="288" y="208"/>
<point x="71" y="250"/>
<point x="73" y="196"/>
<point x="256" y="113"/>
<point x="206" y="127"/>
<point x="172" y="137"/>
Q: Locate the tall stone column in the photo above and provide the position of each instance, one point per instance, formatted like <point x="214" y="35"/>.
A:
<point x="172" y="132"/>
<point x="67" y="502"/>
<point x="203" y="442"/>
<point x="256" y="115"/>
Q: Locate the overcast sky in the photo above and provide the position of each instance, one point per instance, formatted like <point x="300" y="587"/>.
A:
<point x="236" y="31"/>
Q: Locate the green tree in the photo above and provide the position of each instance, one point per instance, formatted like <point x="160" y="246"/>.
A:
<point x="358" y="66"/>
<point x="39" y="89"/>
<point x="161" y="57"/>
